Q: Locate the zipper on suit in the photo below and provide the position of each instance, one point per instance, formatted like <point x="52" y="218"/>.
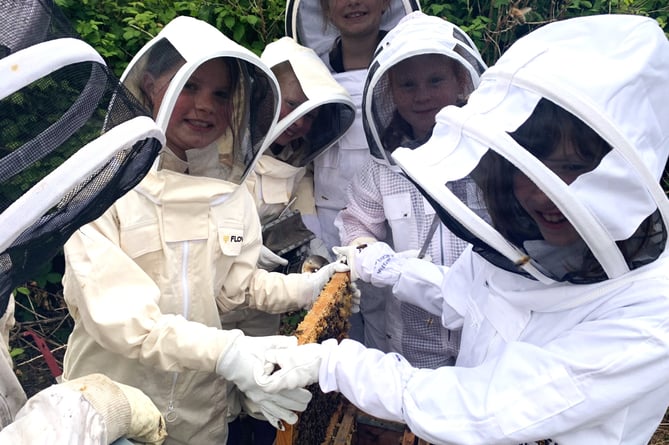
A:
<point x="171" y="414"/>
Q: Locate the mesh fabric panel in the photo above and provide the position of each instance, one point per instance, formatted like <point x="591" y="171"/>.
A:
<point x="44" y="124"/>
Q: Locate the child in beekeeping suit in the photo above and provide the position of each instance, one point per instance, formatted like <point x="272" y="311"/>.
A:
<point x="422" y="65"/>
<point x="147" y="282"/>
<point x="315" y="112"/>
<point x="345" y="35"/>
<point x="563" y="298"/>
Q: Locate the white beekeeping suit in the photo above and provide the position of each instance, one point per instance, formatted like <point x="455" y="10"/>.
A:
<point x="334" y="169"/>
<point x="72" y="142"/>
<point x="379" y="196"/>
<point x="147" y="282"/>
<point x="335" y="113"/>
<point x="563" y="298"/>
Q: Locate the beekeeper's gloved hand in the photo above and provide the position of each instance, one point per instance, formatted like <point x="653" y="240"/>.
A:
<point x="348" y="254"/>
<point x="269" y="260"/>
<point x="319" y="279"/>
<point x="127" y="411"/>
<point x="376" y="263"/>
<point x="297" y="367"/>
<point x="243" y="362"/>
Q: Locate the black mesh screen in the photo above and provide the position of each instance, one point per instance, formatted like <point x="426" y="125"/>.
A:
<point x="45" y="123"/>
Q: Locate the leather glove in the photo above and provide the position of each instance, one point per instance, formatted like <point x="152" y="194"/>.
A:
<point x="242" y="363"/>
<point x="269" y="260"/>
<point x="127" y="411"/>
<point x="299" y="366"/>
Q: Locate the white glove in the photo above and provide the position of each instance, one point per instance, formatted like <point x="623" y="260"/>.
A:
<point x="269" y="260"/>
<point x="127" y="411"/>
<point x="349" y="253"/>
<point x="377" y="263"/>
<point x="242" y="363"/>
<point x="320" y="278"/>
<point x="298" y="366"/>
<point x="355" y="297"/>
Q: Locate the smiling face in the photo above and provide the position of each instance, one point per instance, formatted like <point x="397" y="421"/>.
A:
<point x="354" y="18"/>
<point x="292" y="96"/>
<point x="202" y="111"/>
<point x="569" y="148"/>
<point x="566" y="163"/>
<point x="421" y="86"/>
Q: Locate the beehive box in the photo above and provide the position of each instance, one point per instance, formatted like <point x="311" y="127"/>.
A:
<point x="350" y="426"/>
<point x="330" y="419"/>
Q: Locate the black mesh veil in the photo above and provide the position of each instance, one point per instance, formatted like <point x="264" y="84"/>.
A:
<point x="65" y="150"/>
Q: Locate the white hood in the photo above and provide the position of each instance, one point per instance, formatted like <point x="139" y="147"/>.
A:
<point x="336" y="109"/>
<point x="609" y="71"/>
<point x="255" y="105"/>
<point x="416" y="34"/>
<point x="306" y="24"/>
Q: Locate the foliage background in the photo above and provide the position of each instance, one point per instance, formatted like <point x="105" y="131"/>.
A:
<point x="118" y="29"/>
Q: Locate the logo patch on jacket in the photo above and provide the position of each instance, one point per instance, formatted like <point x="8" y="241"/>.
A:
<point x="233" y="238"/>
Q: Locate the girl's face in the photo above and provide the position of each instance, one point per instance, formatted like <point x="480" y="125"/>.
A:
<point x="357" y="17"/>
<point x="292" y="96"/>
<point x="555" y="228"/>
<point x="202" y="112"/>
<point x="421" y="86"/>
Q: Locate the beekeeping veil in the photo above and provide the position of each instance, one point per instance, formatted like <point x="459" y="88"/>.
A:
<point x="306" y="23"/>
<point x="610" y="72"/>
<point x="333" y="105"/>
<point x="182" y="47"/>
<point x="72" y="140"/>
<point x="416" y="34"/>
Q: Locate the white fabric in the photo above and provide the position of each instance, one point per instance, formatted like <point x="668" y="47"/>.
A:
<point x="242" y="363"/>
<point x="335" y="107"/>
<point x="584" y="374"/>
<point x="380" y="198"/>
<point x="416" y="34"/>
<point x="335" y="168"/>
<point x="297" y="367"/>
<point x="12" y="396"/>
<point x="268" y="260"/>
<point x="147" y="282"/>
<point x="508" y="93"/>
<point x="86" y="411"/>
<point x="126" y="411"/>
<point x="348" y="254"/>
<point x="305" y="22"/>
<point x="56" y="415"/>
<point x="198" y="42"/>
<point x="164" y="237"/>
<point x="321" y="277"/>
<point x="552" y="362"/>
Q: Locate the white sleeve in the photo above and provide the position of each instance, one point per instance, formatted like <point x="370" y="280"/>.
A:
<point x="604" y="375"/>
<point x="419" y="283"/>
<point x="440" y="290"/>
<point x="56" y="415"/>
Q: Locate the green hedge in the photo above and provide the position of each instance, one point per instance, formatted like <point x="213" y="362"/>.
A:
<point x="119" y="29"/>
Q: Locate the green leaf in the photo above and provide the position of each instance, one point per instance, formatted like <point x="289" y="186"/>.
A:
<point x="15" y="352"/>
